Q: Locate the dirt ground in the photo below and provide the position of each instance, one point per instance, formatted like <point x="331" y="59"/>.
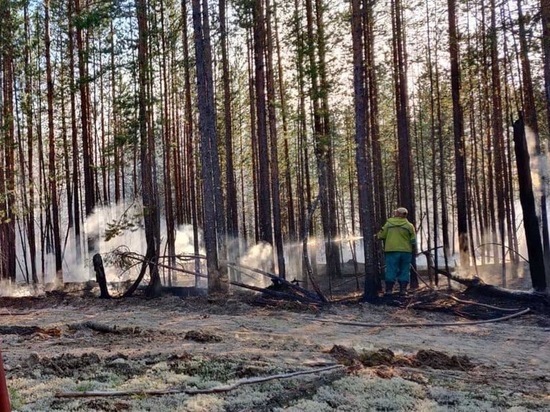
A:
<point x="69" y="351"/>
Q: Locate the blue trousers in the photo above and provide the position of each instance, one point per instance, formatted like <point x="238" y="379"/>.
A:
<point x="398" y="266"/>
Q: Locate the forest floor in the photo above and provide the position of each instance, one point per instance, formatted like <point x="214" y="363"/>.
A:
<point x="425" y="352"/>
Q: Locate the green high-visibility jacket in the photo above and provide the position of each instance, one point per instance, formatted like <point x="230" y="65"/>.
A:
<point x="398" y="235"/>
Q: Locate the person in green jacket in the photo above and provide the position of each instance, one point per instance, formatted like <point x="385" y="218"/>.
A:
<point x="399" y="236"/>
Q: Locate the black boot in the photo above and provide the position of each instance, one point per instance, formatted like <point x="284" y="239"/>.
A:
<point x="403" y="288"/>
<point x="389" y="288"/>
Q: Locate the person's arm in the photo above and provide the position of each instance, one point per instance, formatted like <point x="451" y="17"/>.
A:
<point x="383" y="232"/>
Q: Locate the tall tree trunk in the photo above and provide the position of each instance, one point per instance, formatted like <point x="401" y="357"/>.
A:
<point x="373" y="116"/>
<point x="532" y="126"/>
<point x="189" y="134"/>
<point x="52" y="174"/>
<point x="117" y="152"/>
<point x="74" y="132"/>
<point x="405" y="168"/>
<point x="264" y="189"/>
<point x="168" y="141"/>
<point x="458" y="130"/>
<point x="362" y="159"/>
<point x="87" y="152"/>
<point x="214" y="232"/>
<point x="31" y="232"/>
<point x="290" y="208"/>
<point x="148" y="166"/>
<point x="7" y="158"/>
<point x="545" y="16"/>
<point x="274" y="172"/>
<point x="332" y="247"/>
<point x="527" y="199"/>
<point x="231" y="189"/>
<point x="322" y="140"/>
<point x="498" y="138"/>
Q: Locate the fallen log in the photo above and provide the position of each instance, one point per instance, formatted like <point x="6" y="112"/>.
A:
<point x="216" y="389"/>
<point x="476" y="285"/>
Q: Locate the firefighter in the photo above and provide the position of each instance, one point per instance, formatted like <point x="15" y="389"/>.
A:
<point x="399" y="236"/>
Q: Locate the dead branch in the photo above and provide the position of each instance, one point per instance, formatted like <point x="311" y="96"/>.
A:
<point x="426" y="324"/>
<point x="125" y="255"/>
<point x="277" y="294"/>
<point x="216" y="389"/>
<point x="140" y="258"/>
<point x="276" y="279"/>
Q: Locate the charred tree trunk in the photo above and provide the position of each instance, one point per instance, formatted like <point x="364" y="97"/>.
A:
<point x="527" y="199"/>
<point x="531" y="124"/>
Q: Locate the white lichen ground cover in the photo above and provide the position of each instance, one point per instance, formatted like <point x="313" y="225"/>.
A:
<point x="511" y="359"/>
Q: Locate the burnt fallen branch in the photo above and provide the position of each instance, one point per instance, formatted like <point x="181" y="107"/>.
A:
<point x="216" y="389"/>
<point x="287" y="290"/>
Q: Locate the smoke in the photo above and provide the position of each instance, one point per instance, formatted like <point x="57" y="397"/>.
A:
<point x="8" y="288"/>
<point x="259" y="256"/>
<point x="106" y="229"/>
